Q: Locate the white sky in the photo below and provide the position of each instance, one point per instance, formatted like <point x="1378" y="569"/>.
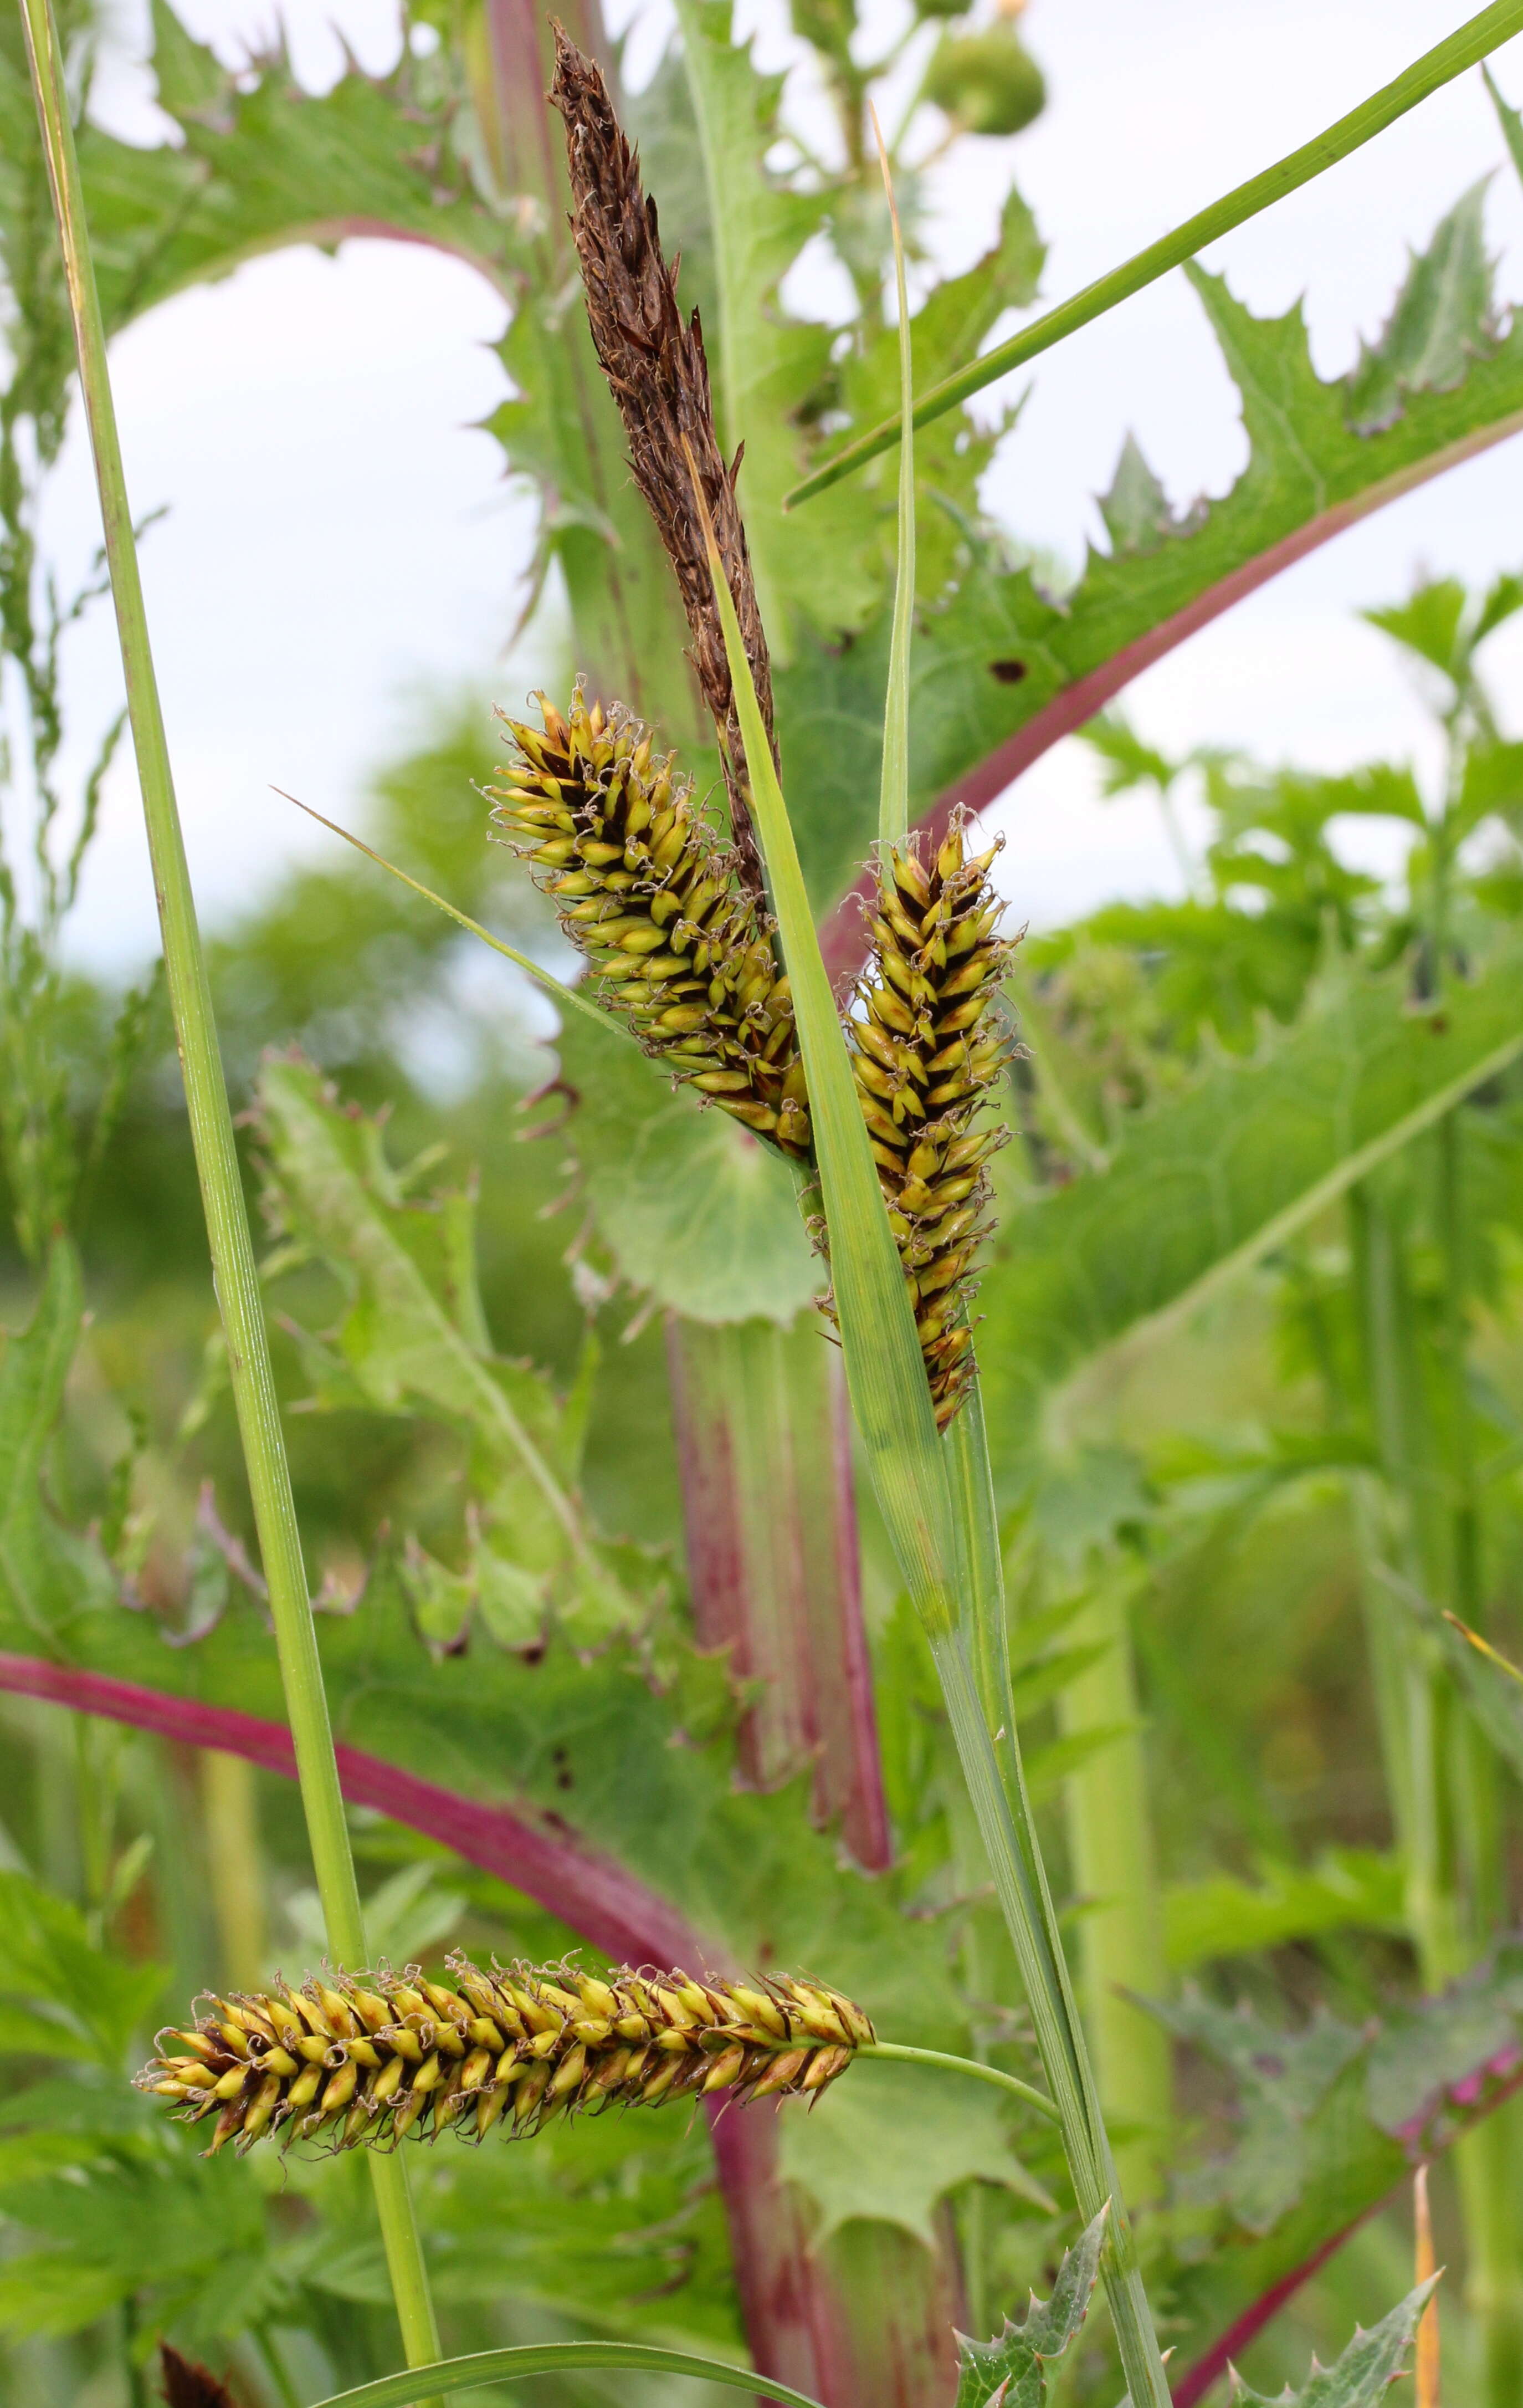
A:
<point x="340" y="544"/>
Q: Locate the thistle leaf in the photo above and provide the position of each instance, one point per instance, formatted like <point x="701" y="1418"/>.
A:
<point x="1213" y="1178"/>
<point x="693" y="1210"/>
<point x="1372" y="2363"/>
<point x="1011" y="2371"/>
<point x="1003" y="670"/>
<point x="894" y="2141"/>
<point x="1442" y="320"/>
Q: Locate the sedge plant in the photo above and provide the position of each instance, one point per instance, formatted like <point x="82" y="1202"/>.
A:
<point x="706" y="954"/>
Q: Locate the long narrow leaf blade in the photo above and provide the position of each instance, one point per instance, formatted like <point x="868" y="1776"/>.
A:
<point x="893" y="799"/>
<point x="891" y="1397"/>
<point x="1465" y="48"/>
<point x="567" y="997"/>
<point x="560" y="2357"/>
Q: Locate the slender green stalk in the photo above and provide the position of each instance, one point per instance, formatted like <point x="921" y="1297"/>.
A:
<point x="1464" y="48"/>
<point x="948" y="1551"/>
<point x="235" y="1866"/>
<point x="1439" y="1770"/>
<point x="893" y="801"/>
<point x="234" y="1268"/>
<point x="970" y="2065"/>
<point x="1114" y="1869"/>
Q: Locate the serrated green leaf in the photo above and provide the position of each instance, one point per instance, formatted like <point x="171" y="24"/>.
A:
<point x="891" y="2142"/>
<point x="1136" y="509"/>
<point x="1368" y="2367"/>
<point x="1442" y="321"/>
<point x="1011" y="2371"/>
<point x="694" y="1212"/>
<point x="1206" y="1184"/>
<point x="1283" y="2078"/>
<point x="999" y="652"/>
<point x="263" y="163"/>
<point x="1347" y="1889"/>
<point x="60" y="1995"/>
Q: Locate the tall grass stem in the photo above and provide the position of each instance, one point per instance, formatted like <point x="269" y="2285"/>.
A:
<point x="893" y="798"/>
<point x="936" y="1501"/>
<point x="234" y="1268"/>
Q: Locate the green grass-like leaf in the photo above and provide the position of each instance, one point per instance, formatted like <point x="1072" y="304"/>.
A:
<point x="560" y="2357"/>
<point x="885" y="1374"/>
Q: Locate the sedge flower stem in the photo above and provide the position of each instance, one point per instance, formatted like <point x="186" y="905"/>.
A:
<point x="234" y="1272"/>
<point x="1023" y="2090"/>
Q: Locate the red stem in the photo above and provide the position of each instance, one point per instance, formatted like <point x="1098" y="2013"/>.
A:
<point x="611" y="1908"/>
<point x="784" y="2295"/>
<point x="791" y="2312"/>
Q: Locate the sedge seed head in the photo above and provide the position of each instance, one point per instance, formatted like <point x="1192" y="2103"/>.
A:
<point x="649" y="896"/>
<point x="515" y="2046"/>
<point x="926" y="1053"/>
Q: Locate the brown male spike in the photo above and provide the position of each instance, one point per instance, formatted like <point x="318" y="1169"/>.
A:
<point x="648" y="894"/>
<point x="353" y="2064"/>
<point x="926" y="1053"/>
<point x="656" y="367"/>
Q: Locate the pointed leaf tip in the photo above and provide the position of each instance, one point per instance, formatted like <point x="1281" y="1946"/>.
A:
<point x="1360" y="2378"/>
<point x="1011" y="2371"/>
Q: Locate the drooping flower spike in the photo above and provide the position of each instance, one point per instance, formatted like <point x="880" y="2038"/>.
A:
<point x="927" y="1050"/>
<point x="648" y="894"/>
<point x="351" y="2064"/>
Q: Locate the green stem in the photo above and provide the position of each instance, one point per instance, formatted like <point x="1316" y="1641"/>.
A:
<point x="234" y="1865"/>
<point x="1114" y="1869"/>
<point x="893" y="798"/>
<point x="234" y="1272"/>
<point x="970" y="2065"/>
<point x="937" y="1505"/>
<point x="1464" y="48"/>
<point x="274" y="2364"/>
<point x="1439" y="1769"/>
<point x="997" y="1786"/>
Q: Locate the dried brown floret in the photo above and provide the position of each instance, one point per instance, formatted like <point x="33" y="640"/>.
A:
<point x="927" y="1050"/>
<point x="351" y="2063"/>
<point x="654" y="360"/>
<point x="648" y="894"/>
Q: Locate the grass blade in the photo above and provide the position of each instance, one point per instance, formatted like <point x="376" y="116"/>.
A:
<point x="884" y="1375"/>
<point x="567" y="997"/>
<point x="940" y="1558"/>
<point x="893" y="799"/>
<point x="1483" y="1647"/>
<point x="1464" y="48"/>
<point x="974" y="1671"/>
<point x="562" y="2357"/>
<point x="230" y="1244"/>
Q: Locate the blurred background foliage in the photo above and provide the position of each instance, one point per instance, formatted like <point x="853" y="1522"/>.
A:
<point x="1236" y="1491"/>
